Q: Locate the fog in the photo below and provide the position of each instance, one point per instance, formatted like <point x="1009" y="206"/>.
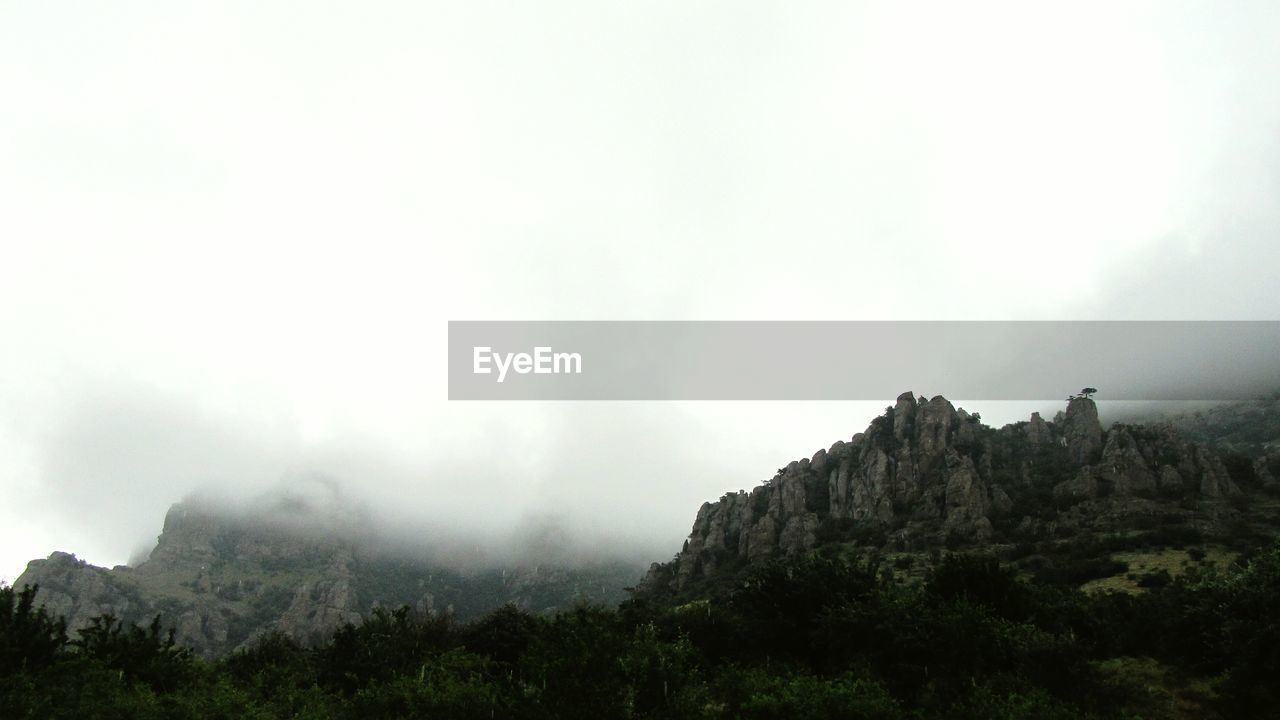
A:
<point x="231" y="235"/>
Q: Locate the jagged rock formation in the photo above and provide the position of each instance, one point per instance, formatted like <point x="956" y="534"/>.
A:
<point x="926" y="474"/>
<point x="1137" y="461"/>
<point x="1081" y="431"/>
<point x="79" y="591"/>
<point x="221" y="580"/>
<point x="922" y="475"/>
<point x="1244" y="432"/>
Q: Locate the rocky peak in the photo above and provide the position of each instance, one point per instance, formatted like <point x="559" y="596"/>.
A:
<point x="913" y="466"/>
<point x="1037" y="430"/>
<point x="926" y="473"/>
<point x="221" y="578"/>
<point x="1082" y="431"/>
<point x="188" y="534"/>
<point x="904" y="415"/>
<point x="78" y="591"/>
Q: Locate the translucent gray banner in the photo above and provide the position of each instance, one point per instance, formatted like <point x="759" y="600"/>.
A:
<point x="861" y="360"/>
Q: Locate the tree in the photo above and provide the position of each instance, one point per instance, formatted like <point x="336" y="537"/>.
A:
<point x="30" y="638"/>
<point x="1086" y="392"/>
<point x="149" y="654"/>
<point x="503" y="635"/>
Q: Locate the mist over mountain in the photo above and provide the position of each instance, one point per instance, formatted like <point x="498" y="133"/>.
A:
<point x="234" y="238"/>
<point x="304" y="561"/>
<point x="926" y="475"/>
<point x="192" y="297"/>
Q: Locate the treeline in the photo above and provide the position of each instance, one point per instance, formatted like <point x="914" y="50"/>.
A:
<point x="807" y="638"/>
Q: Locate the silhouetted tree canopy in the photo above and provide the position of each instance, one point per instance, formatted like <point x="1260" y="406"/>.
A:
<point x="799" y="637"/>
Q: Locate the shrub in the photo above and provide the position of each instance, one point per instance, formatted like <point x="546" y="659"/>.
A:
<point x="30" y="637"/>
<point x="805" y="697"/>
<point x="1068" y="571"/>
<point x="1157" y="579"/>
<point x="144" y="654"/>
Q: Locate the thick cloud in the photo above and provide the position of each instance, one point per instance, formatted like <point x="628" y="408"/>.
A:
<point x="231" y="235"/>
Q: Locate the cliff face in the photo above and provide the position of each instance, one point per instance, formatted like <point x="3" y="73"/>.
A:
<point x="79" y="591"/>
<point x="1081" y="431"/>
<point x="221" y="580"/>
<point x="1246" y="432"/>
<point x="926" y="474"/>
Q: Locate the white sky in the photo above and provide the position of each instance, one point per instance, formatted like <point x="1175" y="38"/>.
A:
<point x="231" y="234"/>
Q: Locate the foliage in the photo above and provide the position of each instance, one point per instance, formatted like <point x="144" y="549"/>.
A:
<point x="802" y="637"/>
<point x="147" y="655"/>
<point x="29" y="637"/>
<point x="808" y="697"/>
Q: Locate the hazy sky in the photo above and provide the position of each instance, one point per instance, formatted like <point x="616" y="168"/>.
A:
<point x="231" y="233"/>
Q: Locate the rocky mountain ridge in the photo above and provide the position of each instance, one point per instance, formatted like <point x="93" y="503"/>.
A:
<point x="221" y="580"/>
<point x="922" y="476"/>
<point x="926" y="474"/>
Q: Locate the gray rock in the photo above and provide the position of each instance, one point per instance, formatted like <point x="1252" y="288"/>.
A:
<point x="1084" y="486"/>
<point x="982" y="530"/>
<point x="799" y="534"/>
<point x="926" y="470"/>
<point x="904" y="415"/>
<point x="1037" y="430"/>
<point x="1001" y="503"/>
<point x="967" y="498"/>
<point x="220" y="580"/>
<point x="1170" y="478"/>
<point x="933" y="428"/>
<point x="1082" y="431"/>
<point x="318" y="609"/>
<point x="1124" y="465"/>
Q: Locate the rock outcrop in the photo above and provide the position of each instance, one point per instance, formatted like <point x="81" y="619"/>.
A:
<point x="222" y="579"/>
<point x="319" y="608"/>
<point x="1037" y="430"/>
<point x="80" y="592"/>
<point x="1081" y="431"/>
<point x="914" y="469"/>
<point x="1149" y="462"/>
<point x="926" y="473"/>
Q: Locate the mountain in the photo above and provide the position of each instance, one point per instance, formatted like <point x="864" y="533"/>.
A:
<point x="1064" y="500"/>
<point x="1246" y="433"/>
<point x="926" y="475"/>
<point x="222" y="578"/>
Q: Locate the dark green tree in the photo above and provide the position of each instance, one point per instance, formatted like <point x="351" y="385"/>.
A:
<point x="148" y="655"/>
<point x="30" y="638"/>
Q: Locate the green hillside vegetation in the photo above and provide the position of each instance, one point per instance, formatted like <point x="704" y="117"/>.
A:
<point x="813" y="637"/>
<point x="932" y="567"/>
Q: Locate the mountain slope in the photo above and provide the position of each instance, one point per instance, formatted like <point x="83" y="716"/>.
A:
<point x="925" y="475"/>
<point x="1061" y="498"/>
<point x="221" y="579"/>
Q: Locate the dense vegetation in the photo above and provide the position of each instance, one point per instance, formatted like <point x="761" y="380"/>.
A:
<point x="813" y="637"/>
